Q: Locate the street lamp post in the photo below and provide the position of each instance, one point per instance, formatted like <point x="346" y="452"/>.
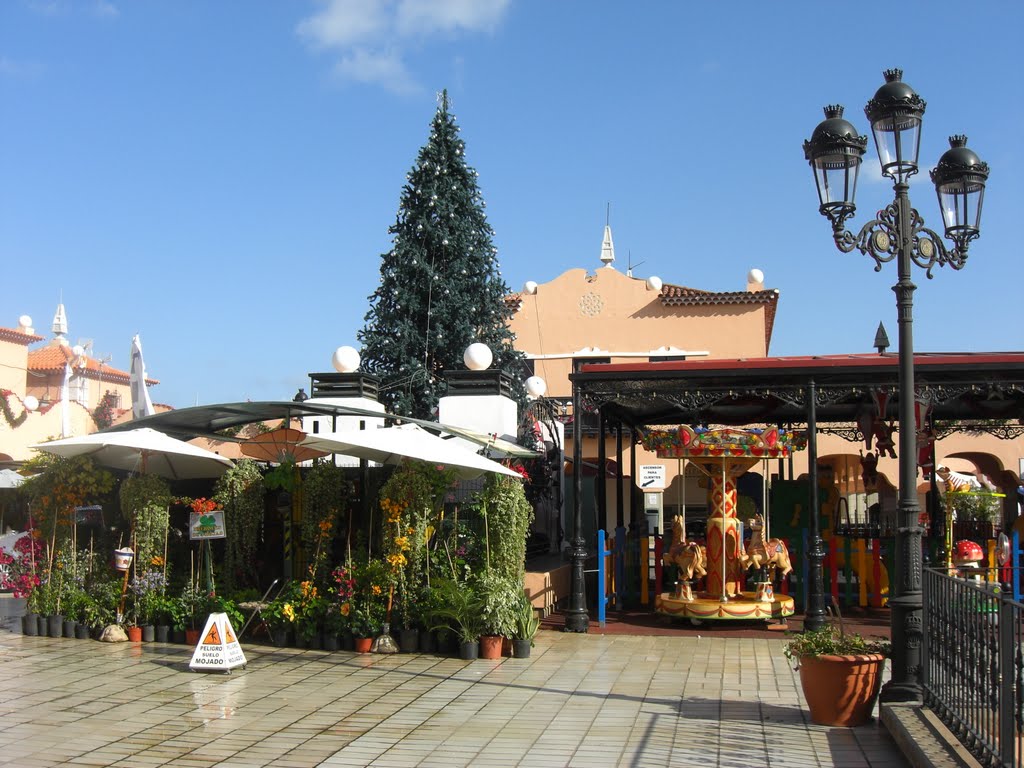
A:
<point x="834" y="152"/>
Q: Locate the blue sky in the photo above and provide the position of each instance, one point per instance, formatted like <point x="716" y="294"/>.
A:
<point x="219" y="177"/>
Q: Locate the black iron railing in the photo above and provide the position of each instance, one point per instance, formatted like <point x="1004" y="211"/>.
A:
<point x="973" y="665"/>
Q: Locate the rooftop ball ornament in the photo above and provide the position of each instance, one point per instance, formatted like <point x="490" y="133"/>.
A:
<point x="345" y="360"/>
<point x="530" y="287"/>
<point x="536" y="387"/>
<point x="478" y="357"/>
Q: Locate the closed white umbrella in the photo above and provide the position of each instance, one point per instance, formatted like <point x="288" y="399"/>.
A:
<point x="10" y="479"/>
<point x="391" y="445"/>
<point x="142" y="450"/>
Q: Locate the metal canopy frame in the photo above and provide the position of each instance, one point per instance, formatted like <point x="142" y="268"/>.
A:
<point x="978" y="391"/>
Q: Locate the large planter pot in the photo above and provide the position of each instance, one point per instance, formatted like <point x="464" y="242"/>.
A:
<point x="148" y="633"/>
<point x="55" y="625"/>
<point x="42" y="625"/>
<point x="409" y="640"/>
<point x="69" y="627"/>
<point x="82" y="631"/>
<point x="178" y="636"/>
<point x="191" y="637"/>
<point x="30" y="624"/>
<point x="135" y="634"/>
<point x="331" y="641"/>
<point x="426" y="640"/>
<point x="362" y="644"/>
<point x="163" y="633"/>
<point x="279" y="636"/>
<point x="469" y="650"/>
<point x="521" y="648"/>
<point x="348" y="642"/>
<point x="841" y="690"/>
<point x="490" y="646"/>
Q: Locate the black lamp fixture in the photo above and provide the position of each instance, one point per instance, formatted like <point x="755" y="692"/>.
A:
<point x="835" y="151"/>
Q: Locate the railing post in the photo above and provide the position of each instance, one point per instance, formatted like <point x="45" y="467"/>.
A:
<point x="1007" y="730"/>
<point x="602" y="578"/>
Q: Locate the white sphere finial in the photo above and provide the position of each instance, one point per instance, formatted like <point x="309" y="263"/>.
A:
<point x="30" y="402"/>
<point x="78" y="350"/>
<point x="755" y="276"/>
<point x="536" y="387"/>
<point x="345" y="360"/>
<point x="25" y="321"/>
<point x="478" y="357"/>
<point x="653" y="283"/>
<point x="530" y="287"/>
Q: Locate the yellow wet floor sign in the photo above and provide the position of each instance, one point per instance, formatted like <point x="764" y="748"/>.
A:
<point x="218" y="648"/>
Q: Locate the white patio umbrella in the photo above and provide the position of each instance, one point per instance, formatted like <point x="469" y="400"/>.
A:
<point x="10" y="479"/>
<point x="390" y="445"/>
<point x="142" y="450"/>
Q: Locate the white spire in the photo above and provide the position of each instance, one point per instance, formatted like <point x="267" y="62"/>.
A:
<point x="607" y="247"/>
<point x="60" y="324"/>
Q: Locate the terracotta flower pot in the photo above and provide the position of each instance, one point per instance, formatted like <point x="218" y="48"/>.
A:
<point x="362" y="644"/>
<point x="841" y="690"/>
<point x="490" y="646"/>
<point x="191" y="637"/>
<point x="135" y="634"/>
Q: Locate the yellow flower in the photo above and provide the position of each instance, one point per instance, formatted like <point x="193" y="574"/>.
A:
<point x="397" y="560"/>
<point x="288" y="611"/>
<point x="325" y="526"/>
<point x="402" y="543"/>
<point x="157" y="561"/>
<point x="345" y="609"/>
<point x="376" y="589"/>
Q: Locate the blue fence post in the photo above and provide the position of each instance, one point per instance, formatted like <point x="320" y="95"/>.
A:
<point x="602" y="579"/>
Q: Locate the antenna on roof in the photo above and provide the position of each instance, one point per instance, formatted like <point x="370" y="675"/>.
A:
<point x="630" y="264"/>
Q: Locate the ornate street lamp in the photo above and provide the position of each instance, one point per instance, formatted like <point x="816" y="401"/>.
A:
<point x="834" y="152"/>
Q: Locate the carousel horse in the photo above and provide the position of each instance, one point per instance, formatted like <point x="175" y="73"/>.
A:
<point x="689" y="556"/>
<point x="771" y="554"/>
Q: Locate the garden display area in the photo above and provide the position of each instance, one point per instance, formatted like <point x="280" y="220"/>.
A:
<point x="394" y="558"/>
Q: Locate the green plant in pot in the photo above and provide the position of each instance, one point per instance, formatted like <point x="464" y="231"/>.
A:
<point x="458" y="606"/>
<point x="499" y="606"/>
<point x="840" y="673"/>
<point x="526" y="626"/>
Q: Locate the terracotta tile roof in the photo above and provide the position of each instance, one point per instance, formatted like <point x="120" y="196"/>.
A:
<point x="13" y="334"/>
<point x="680" y="295"/>
<point x="52" y="359"/>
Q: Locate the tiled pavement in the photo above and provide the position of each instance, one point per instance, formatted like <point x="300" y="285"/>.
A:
<point x="580" y="700"/>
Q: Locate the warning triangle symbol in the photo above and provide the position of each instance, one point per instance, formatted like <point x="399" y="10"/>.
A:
<point x="212" y="637"/>
<point x="229" y="636"/>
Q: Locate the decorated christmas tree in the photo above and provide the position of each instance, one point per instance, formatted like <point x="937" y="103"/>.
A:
<point x="440" y="286"/>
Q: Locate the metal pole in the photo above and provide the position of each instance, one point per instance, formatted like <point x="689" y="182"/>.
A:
<point x="814" y="611"/>
<point x="908" y="604"/>
<point x="576" y="618"/>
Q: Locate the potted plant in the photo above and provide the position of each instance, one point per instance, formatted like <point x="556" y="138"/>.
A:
<point x="458" y="606"/>
<point x="279" y="616"/>
<point x="527" y="624"/>
<point x="499" y="605"/>
<point x="840" y="673"/>
<point x="147" y="589"/>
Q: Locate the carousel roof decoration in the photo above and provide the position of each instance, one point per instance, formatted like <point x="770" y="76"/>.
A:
<point x="687" y="442"/>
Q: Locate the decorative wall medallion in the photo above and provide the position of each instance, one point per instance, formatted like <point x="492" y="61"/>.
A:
<point x="882" y="241"/>
<point x="591" y="304"/>
<point x="926" y="247"/>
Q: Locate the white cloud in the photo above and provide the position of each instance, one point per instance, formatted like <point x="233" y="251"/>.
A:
<point x="381" y="67"/>
<point x="425" y="17"/>
<point x="371" y="37"/>
<point x="105" y="9"/>
<point x="345" y="23"/>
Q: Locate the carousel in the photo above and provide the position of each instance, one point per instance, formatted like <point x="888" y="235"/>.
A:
<point x="723" y="560"/>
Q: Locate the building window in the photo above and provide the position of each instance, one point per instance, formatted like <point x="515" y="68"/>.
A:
<point x="665" y="358"/>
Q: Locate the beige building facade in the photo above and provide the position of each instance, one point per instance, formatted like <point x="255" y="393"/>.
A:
<point x="603" y="315"/>
<point x="51" y="389"/>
